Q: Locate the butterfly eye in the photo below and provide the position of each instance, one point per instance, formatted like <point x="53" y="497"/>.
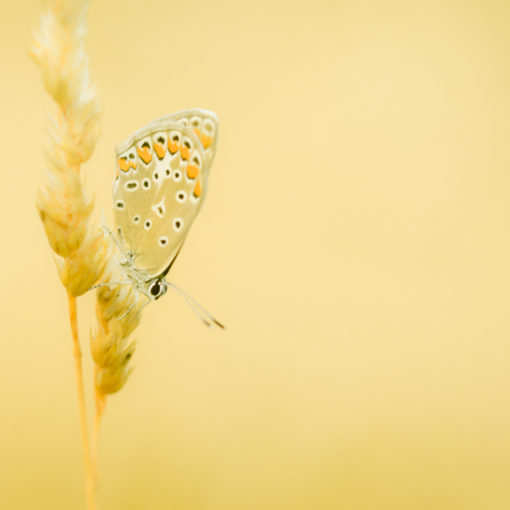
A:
<point x="157" y="289"/>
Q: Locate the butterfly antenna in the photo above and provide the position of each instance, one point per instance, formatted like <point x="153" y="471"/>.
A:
<point x="195" y="310"/>
<point x="202" y="313"/>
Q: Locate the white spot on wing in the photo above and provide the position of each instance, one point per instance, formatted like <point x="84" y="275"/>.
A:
<point x="131" y="185"/>
<point x="177" y="224"/>
<point x="180" y="196"/>
<point x="186" y="141"/>
<point x="175" y="136"/>
<point x="196" y="160"/>
<point x="208" y="126"/>
<point x="159" y="208"/>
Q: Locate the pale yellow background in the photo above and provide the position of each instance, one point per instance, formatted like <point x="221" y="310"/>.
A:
<point x="355" y="241"/>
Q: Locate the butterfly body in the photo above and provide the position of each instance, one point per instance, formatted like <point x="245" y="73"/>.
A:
<point x="153" y="287"/>
<point x="162" y="180"/>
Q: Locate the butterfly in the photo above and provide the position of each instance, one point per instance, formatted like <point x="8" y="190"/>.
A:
<point x="161" y="182"/>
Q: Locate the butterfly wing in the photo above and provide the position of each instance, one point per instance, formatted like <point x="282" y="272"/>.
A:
<point x="162" y="179"/>
<point x="203" y="123"/>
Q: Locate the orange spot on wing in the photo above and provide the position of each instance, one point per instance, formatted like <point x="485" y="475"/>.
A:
<point x="132" y="164"/>
<point x="184" y="152"/>
<point x="160" y="149"/>
<point x="198" y="189"/>
<point x="123" y="164"/>
<point x="173" y="147"/>
<point x="197" y="132"/>
<point x="145" y="154"/>
<point x="193" y="171"/>
<point x="206" y="140"/>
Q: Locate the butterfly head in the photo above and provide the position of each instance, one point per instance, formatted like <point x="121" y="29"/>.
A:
<point x="157" y="287"/>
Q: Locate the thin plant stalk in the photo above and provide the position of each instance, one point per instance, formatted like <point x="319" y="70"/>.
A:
<point x="90" y="475"/>
<point x="100" y="401"/>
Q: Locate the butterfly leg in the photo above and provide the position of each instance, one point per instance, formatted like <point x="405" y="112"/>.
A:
<point x="127" y="261"/>
<point x="145" y="304"/>
<point x="135" y="301"/>
<point x="109" y="284"/>
<point x="110" y="233"/>
<point x="131" y="306"/>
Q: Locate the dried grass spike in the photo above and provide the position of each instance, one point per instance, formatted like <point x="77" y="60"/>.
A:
<point x="84" y="267"/>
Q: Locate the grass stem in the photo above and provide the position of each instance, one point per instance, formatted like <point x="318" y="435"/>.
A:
<point x="89" y="470"/>
<point x="100" y="399"/>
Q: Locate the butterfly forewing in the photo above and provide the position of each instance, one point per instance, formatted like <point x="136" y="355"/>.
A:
<point x="162" y="180"/>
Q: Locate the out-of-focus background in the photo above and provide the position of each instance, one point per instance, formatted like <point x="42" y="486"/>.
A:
<point x="355" y="241"/>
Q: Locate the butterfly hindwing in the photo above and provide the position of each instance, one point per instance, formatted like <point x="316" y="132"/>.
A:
<point x="204" y="125"/>
<point x="162" y="180"/>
